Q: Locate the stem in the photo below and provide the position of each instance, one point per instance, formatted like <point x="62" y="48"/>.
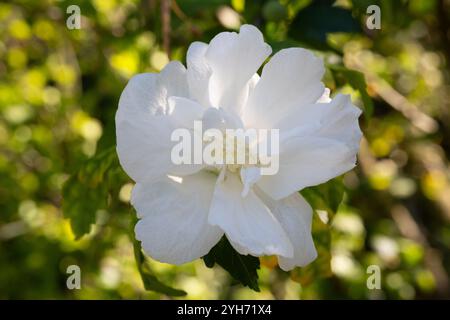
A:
<point x="165" y="21"/>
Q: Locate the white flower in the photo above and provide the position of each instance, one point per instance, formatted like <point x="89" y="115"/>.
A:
<point x="185" y="209"/>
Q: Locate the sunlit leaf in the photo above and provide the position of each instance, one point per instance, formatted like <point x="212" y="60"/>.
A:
<point x="86" y="191"/>
<point x="358" y="82"/>
<point x="326" y="196"/>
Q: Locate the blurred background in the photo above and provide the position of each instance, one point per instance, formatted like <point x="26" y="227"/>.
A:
<point x="59" y="90"/>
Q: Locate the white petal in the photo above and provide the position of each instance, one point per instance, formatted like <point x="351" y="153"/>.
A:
<point x="253" y="82"/>
<point x="317" y="143"/>
<point x="174" y="218"/>
<point x="234" y="59"/>
<point x="172" y="81"/>
<point x="213" y="119"/>
<point x="249" y="177"/>
<point x="198" y="73"/>
<point x="245" y="94"/>
<point x="295" y="216"/>
<point x="341" y="121"/>
<point x="336" y="119"/>
<point x="291" y="78"/>
<point x="220" y="119"/>
<point x="143" y="126"/>
<point x="247" y="222"/>
<point x="184" y="111"/>
<point x="307" y="161"/>
<point x="143" y="139"/>
<point x="325" y="98"/>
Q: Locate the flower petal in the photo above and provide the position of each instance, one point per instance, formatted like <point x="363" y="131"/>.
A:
<point x="198" y="73"/>
<point x="325" y="98"/>
<point x="174" y="218"/>
<point x="228" y="65"/>
<point x="291" y="78"/>
<point x="307" y="161"/>
<point x="143" y="125"/>
<point x="184" y="111"/>
<point x="340" y="121"/>
<point x="335" y="119"/>
<point x="249" y="176"/>
<point x="295" y="216"/>
<point x="247" y="222"/>
<point x="319" y="145"/>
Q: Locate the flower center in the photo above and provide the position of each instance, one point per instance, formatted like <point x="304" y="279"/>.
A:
<point x="232" y="149"/>
<point x="239" y="152"/>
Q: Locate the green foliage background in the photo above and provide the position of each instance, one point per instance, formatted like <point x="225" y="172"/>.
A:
<point x="64" y="199"/>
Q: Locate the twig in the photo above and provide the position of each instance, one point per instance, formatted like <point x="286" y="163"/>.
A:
<point x="165" y="21"/>
<point x="397" y="101"/>
<point x="178" y="12"/>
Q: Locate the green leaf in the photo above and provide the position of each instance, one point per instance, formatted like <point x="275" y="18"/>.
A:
<point x="312" y="24"/>
<point x="326" y="196"/>
<point x="150" y="281"/>
<point x="240" y="267"/>
<point x="86" y="191"/>
<point x="193" y="7"/>
<point x="274" y="11"/>
<point x="358" y="82"/>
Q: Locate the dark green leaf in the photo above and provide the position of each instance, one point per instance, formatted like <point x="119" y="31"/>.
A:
<point x="274" y="11"/>
<point x="313" y="23"/>
<point x="149" y="280"/>
<point x="192" y="7"/>
<point x="240" y="267"/>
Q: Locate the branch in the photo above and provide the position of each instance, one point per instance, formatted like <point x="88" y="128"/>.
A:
<point x="165" y="21"/>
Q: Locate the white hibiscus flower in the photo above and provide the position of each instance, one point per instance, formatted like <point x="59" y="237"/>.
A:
<point x="185" y="209"/>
